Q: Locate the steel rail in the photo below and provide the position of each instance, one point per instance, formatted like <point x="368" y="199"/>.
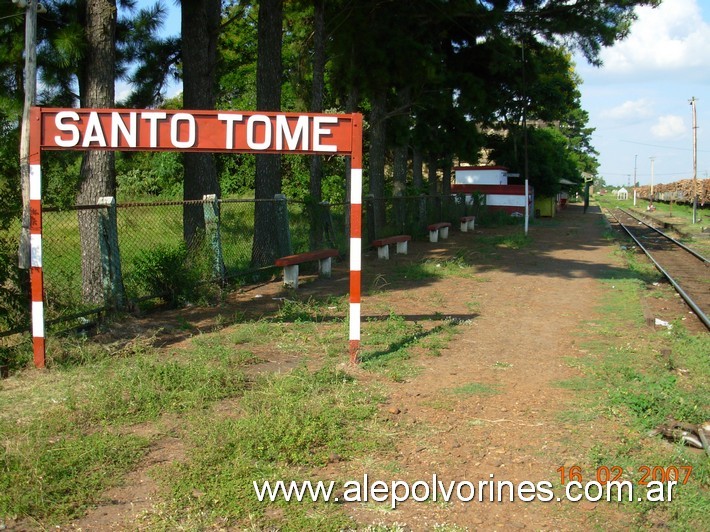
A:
<point x="686" y="248"/>
<point x="701" y="315"/>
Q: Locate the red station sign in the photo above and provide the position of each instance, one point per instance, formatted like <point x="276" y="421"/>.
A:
<point x="210" y="131"/>
<point x="201" y="130"/>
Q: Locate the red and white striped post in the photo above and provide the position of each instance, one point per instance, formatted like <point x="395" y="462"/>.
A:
<point x="355" y="237"/>
<point x="36" y="276"/>
<point x="196" y="131"/>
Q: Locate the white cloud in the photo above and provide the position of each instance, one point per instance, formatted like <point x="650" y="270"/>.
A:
<point x="671" y="37"/>
<point x="668" y="127"/>
<point x="630" y="109"/>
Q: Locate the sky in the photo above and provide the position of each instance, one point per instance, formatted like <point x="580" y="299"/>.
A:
<point x="639" y="100"/>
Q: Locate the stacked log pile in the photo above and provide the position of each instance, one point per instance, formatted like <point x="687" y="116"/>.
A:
<point x="680" y="191"/>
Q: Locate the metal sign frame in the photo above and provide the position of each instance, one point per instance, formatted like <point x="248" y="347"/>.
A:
<point x="195" y="131"/>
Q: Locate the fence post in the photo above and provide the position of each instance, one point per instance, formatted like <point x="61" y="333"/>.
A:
<point x="399" y="212"/>
<point x="370" y="215"/>
<point x="461" y="200"/>
<point x="423" y="218"/>
<point x="328" y="227"/>
<point x="282" y="227"/>
<point x="111" y="276"/>
<point x="210" y="209"/>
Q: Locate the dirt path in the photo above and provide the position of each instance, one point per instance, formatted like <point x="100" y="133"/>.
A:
<point x="490" y="407"/>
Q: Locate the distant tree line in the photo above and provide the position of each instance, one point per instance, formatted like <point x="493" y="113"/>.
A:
<point x="438" y="81"/>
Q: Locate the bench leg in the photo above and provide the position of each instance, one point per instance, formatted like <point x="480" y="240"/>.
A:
<point x="383" y="252"/>
<point x="444" y="233"/>
<point x="402" y="247"/>
<point x="434" y="235"/>
<point x="471" y="224"/>
<point x="291" y="276"/>
<point x="464" y="227"/>
<point x="324" y="266"/>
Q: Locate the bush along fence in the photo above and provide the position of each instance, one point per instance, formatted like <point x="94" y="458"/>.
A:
<point x="142" y="253"/>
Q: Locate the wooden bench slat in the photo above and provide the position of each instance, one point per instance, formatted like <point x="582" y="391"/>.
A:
<point x="440" y="225"/>
<point x="309" y="256"/>
<point x="391" y="240"/>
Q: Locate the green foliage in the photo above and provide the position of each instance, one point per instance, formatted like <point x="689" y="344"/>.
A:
<point x="236" y="173"/>
<point x="54" y="478"/>
<point x="455" y="267"/>
<point x="167" y="271"/>
<point x="490" y="218"/>
<point x="549" y="158"/>
<point x="14" y="302"/>
<point x="289" y="420"/>
<point x="629" y="379"/>
<point x="476" y="388"/>
<point x="60" y="177"/>
<point x="146" y="387"/>
<point x="149" y="174"/>
<point x="286" y="423"/>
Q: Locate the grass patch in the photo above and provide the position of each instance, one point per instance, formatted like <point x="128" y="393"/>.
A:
<point x="639" y="387"/>
<point x="476" y="388"/>
<point x="392" y="342"/>
<point x="67" y="434"/>
<point x="56" y="476"/>
<point x="144" y="388"/>
<point x="514" y="241"/>
<point x="288" y="425"/>
<point x="436" y="269"/>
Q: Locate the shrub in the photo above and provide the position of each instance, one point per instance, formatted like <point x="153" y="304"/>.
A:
<point x="166" y="271"/>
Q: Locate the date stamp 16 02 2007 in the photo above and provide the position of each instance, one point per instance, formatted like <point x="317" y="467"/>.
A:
<point x="605" y="474"/>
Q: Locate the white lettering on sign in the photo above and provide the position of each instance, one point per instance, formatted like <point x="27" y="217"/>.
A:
<point x="94" y="133"/>
<point x="251" y="129"/>
<point x="175" y="129"/>
<point x="153" y="118"/>
<point x="283" y="132"/>
<point x="148" y="129"/>
<point x="69" y="128"/>
<point x="318" y="131"/>
<point x="130" y="133"/>
<point x="231" y="119"/>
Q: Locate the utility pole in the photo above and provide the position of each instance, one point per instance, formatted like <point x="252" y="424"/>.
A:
<point x="652" y="159"/>
<point x="635" y="158"/>
<point x="23" y="251"/>
<point x="525" y="110"/>
<point x="695" y="161"/>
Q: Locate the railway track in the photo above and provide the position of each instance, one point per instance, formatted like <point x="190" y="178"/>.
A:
<point x="687" y="270"/>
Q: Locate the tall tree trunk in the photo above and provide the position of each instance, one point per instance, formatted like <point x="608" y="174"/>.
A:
<point x="399" y="176"/>
<point x="97" y="178"/>
<point x="446" y="178"/>
<point x="433" y="163"/>
<point x="200" y="30"/>
<point x="417" y="174"/>
<point x="378" y="135"/>
<point x="402" y="135"/>
<point x="268" y="98"/>
<point x="316" y="169"/>
<point x="399" y="170"/>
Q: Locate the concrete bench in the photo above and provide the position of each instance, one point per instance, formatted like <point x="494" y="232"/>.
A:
<point x="467" y="223"/>
<point x="291" y="262"/>
<point x="383" y="245"/>
<point x="437" y="230"/>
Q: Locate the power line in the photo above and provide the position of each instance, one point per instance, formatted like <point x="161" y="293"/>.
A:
<point x="660" y="146"/>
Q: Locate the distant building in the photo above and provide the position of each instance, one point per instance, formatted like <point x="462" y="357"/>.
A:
<point x="622" y="194"/>
<point x="493" y="182"/>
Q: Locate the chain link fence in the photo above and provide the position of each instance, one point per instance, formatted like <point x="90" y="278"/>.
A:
<point x="142" y="251"/>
